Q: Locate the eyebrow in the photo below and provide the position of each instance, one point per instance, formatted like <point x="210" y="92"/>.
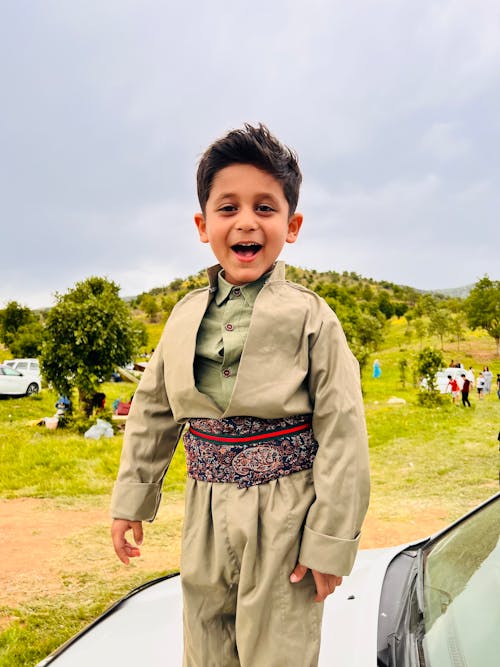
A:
<point x="234" y="195"/>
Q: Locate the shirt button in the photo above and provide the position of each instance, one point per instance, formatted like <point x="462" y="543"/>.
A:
<point x="236" y="291"/>
<point x="226" y="372"/>
<point x="229" y="326"/>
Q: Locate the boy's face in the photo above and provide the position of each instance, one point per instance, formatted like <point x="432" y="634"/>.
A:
<point x="246" y="222"/>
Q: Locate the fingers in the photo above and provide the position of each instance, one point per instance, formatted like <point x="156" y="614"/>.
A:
<point x="137" y="532"/>
<point x="298" y="573"/>
<point x="123" y="549"/>
<point x="325" y="584"/>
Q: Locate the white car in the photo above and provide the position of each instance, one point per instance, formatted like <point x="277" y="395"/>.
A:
<point x="442" y="378"/>
<point x="433" y="603"/>
<point x="16" y="383"/>
<point x="25" y="366"/>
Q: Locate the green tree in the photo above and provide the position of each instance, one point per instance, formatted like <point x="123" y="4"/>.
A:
<point x="150" y="306"/>
<point x="483" y="308"/>
<point x="364" y="331"/>
<point x="429" y="362"/>
<point x="385" y="305"/>
<point x="16" y="319"/>
<point x="27" y="341"/>
<point x="88" y="333"/>
<point x="425" y="305"/>
<point x="419" y="327"/>
<point x="457" y="328"/>
<point x="439" y="324"/>
<point x="167" y="304"/>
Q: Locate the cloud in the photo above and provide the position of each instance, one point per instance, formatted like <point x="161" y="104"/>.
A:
<point x="107" y="107"/>
<point x="444" y="142"/>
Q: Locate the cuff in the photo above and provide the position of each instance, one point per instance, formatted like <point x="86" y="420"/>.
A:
<point x="330" y="555"/>
<point x="135" y="502"/>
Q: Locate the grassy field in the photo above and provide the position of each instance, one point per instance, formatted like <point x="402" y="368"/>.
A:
<point x="421" y="458"/>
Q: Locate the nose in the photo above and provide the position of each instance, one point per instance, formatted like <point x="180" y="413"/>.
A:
<point x="247" y="221"/>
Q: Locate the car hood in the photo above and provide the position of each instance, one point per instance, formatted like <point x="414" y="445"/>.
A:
<point x="350" y="620"/>
<point x="145" y="627"/>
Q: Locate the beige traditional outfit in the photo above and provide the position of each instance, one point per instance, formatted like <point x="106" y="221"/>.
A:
<point x="252" y="369"/>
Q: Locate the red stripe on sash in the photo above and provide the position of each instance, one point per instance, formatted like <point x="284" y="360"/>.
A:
<point x="251" y="438"/>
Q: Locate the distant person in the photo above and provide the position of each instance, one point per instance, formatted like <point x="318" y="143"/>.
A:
<point x="480" y="386"/>
<point x="454" y="388"/>
<point x="470" y="376"/>
<point x="488" y="379"/>
<point x="377" y="371"/>
<point x="498" y="385"/>
<point x="465" y="390"/>
<point x="259" y="371"/>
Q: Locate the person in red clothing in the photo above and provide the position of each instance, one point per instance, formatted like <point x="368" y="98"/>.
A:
<point x="465" y="390"/>
<point x="454" y="388"/>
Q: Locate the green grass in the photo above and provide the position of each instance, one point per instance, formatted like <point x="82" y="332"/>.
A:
<point x="46" y="623"/>
<point x="444" y="458"/>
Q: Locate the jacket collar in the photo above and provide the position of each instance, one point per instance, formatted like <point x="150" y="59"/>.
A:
<point x="277" y="273"/>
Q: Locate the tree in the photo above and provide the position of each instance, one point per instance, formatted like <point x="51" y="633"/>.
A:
<point x="364" y="331"/>
<point x="429" y="362"/>
<point x="150" y="306"/>
<point x="88" y="333"/>
<point x="457" y="328"/>
<point x="439" y="323"/>
<point x="483" y="308"/>
<point x="27" y="342"/>
<point x="17" y="320"/>
<point x="385" y="305"/>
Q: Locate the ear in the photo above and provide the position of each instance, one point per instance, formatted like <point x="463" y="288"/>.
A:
<point x="294" y="225"/>
<point x="199" y="221"/>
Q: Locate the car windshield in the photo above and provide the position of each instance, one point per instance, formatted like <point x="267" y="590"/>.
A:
<point x="461" y="587"/>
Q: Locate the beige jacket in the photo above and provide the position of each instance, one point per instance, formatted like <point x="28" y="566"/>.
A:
<point x="295" y="361"/>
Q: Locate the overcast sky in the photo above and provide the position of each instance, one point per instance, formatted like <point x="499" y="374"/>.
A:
<point x="393" y="107"/>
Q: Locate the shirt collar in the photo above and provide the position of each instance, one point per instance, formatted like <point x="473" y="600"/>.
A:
<point x="248" y="292"/>
<point x="277" y="273"/>
<point x="222" y="289"/>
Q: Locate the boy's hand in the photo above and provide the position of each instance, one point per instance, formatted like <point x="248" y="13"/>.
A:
<point x="124" y="550"/>
<point x="325" y="583"/>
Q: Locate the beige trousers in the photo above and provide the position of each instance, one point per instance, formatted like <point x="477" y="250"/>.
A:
<point x="239" y="549"/>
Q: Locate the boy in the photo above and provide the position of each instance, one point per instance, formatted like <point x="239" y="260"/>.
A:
<point x="276" y="448"/>
<point x="454" y="388"/>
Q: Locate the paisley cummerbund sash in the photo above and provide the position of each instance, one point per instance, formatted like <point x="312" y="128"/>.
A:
<point x="247" y="450"/>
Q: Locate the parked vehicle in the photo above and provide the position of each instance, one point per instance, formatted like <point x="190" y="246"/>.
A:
<point x="433" y="603"/>
<point x="25" y="366"/>
<point x="442" y="378"/>
<point x="15" y="383"/>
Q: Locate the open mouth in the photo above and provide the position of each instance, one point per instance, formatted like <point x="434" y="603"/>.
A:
<point x="246" y="250"/>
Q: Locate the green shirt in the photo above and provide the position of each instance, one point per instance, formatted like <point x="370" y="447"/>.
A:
<point x="221" y="338"/>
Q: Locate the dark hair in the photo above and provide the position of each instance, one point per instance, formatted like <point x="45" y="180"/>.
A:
<point x="255" y="146"/>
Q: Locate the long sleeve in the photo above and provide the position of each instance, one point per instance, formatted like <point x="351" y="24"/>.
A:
<point x="341" y="467"/>
<point x="151" y="436"/>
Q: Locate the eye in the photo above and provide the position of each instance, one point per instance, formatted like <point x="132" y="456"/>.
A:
<point x="227" y="208"/>
<point x="265" y="208"/>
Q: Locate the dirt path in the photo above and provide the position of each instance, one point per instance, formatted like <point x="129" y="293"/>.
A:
<point x="48" y="549"/>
